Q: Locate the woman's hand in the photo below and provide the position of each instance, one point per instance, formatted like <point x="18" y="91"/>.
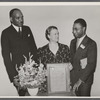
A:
<point x="70" y="66"/>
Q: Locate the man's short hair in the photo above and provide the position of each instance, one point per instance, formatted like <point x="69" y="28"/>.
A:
<point x="48" y="30"/>
<point x="11" y="12"/>
<point x="81" y="21"/>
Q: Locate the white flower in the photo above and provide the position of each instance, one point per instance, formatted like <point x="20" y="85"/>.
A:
<point x="29" y="75"/>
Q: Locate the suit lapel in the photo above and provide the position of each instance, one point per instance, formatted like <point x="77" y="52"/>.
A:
<point x="84" y="42"/>
<point x="82" y="46"/>
<point x="13" y="28"/>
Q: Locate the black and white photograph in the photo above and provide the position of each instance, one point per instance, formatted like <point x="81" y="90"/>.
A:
<point x="49" y="49"/>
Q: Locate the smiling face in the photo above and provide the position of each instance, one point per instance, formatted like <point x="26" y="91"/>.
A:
<point x="78" y="30"/>
<point x="17" y="18"/>
<point x="54" y="35"/>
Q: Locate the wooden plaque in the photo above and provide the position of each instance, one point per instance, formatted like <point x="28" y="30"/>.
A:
<point x="58" y="78"/>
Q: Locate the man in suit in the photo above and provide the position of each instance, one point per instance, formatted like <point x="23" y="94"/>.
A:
<point x="83" y="52"/>
<point x="17" y="40"/>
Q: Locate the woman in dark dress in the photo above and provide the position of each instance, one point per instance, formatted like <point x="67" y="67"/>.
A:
<point x="53" y="52"/>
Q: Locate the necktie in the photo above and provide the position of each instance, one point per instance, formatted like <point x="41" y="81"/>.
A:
<point x="77" y="44"/>
<point x="20" y="32"/>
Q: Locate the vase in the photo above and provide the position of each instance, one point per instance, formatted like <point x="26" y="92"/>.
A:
<point x="32" y="91"/>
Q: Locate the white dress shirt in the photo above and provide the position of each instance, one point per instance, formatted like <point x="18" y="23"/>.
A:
<point x="17" y="28"/>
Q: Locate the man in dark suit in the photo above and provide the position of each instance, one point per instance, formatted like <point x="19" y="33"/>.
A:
<point x="17" y="40"/>
<point x="83" y="57"/>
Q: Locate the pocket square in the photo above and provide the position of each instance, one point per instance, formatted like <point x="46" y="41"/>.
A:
<point x="83" y="63"/>
<point x="82" y="46"/>
<point x="28" y="35"/>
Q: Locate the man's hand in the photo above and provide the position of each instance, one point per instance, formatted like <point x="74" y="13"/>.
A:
<point x="17" y="84"/>
<point x="77" y="84"/>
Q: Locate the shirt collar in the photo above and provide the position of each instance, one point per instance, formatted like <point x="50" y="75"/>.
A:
<point x="81" y="39"/>
<point x="17" y="28"/>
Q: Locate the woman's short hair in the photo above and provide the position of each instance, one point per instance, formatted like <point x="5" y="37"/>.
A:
<point x="48" y="30"/>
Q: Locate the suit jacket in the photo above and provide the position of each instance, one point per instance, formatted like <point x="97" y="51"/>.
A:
<point x="14" y="46"/>
<point x="87" y="49"/>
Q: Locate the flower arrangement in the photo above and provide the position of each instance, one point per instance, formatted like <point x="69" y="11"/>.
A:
<point x="31" y="74"/>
